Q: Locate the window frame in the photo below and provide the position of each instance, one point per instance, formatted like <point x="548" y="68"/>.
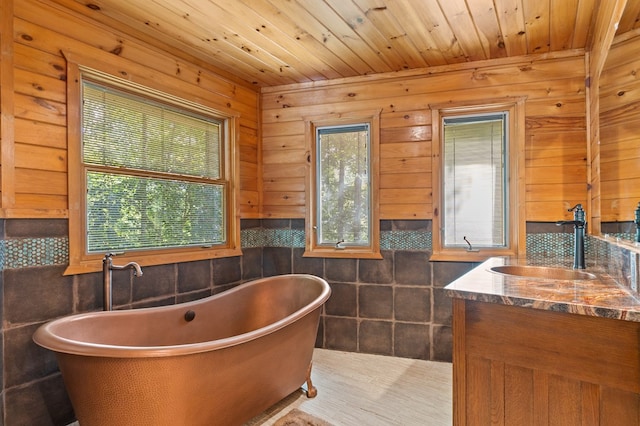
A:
<point x="312" y="247"/>
<point x="516" y="213"/>
<point x="157" y="88"/>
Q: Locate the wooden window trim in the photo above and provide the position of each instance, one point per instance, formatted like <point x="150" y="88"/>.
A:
<point x="81" y="262"/>
<point x="312" y="249"/>
<point x="516" y="178"/>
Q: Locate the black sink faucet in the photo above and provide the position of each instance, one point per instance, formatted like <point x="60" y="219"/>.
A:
<point x="637" y="222"/>
<point x="578" y="223"/>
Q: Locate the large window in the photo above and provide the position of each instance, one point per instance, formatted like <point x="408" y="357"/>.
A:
<point x="153" y="173"/>
<point x="150" y="176"/>
<point x="478" y="167"/>
<point x="342" y="217"/>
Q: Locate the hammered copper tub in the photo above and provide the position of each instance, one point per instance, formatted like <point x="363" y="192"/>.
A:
<point x="215" y="361"/>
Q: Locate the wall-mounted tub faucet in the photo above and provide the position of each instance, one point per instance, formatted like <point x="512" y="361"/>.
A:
<point x="578" y="223"/>
<point x="107" y="277"/>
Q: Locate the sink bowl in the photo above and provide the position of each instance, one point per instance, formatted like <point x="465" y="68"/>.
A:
<point x="543" y="272"/>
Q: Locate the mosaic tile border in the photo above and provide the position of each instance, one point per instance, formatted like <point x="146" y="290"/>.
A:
<point x="32" y="252"/>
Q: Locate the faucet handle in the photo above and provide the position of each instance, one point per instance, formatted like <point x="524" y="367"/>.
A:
<point x="578" y="213"/>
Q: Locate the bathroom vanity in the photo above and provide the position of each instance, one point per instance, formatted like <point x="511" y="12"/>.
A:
<point x="544" y="349"/>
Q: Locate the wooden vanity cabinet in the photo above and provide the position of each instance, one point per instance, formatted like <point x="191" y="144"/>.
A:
<point x="517" y="366"/>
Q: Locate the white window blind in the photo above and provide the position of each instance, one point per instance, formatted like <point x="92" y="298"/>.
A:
<point x="474" y="181"/>
<point x="153" y="173"/>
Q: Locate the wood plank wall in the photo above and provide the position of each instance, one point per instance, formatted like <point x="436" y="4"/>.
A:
<point x="620" y="132"/>
<point x="39" y="154"/>
<point x="556" y="166"/>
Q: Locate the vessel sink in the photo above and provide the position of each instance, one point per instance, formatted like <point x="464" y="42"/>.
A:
<point x="543" y="272"/>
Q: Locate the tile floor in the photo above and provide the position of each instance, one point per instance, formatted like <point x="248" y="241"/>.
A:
<point x="372" y="390"/>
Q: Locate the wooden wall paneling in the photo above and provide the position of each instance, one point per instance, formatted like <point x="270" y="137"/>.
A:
<point x="40" y="158"/>
<point x="619" y="158"/>
<point x="55" y="206"/>
<point x="41" y="31"/>
<point x="406" y="211"/>
<point x="159" y="41"/>
<point x="170" y="78"/>
<point x="405" y="119"/>
<point x="555" y="117"/>
<point x="598" y="46"/>
<point x="248" y="179"/>
<point x="567" y="106"/>
<point x="43" y="182"/>
<point x="249" y="204"/>
<point x="39" y="109"/>
<point x="7" y="106"/>
<point x="545" y="210"/>
<point x="39" y="86"/>
<point x="39" y="62"/>
<point x="554" y="192"/>
<point x="39" y="133"/>
<point x="549" y="72"/>
<point x="75" y="27"/>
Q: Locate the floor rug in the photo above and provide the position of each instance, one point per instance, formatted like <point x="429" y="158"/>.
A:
<point x="297" y="417"/>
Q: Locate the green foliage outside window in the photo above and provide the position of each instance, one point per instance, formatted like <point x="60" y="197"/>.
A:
<point x="344" y="185"/>
<point x="152" y="172"/>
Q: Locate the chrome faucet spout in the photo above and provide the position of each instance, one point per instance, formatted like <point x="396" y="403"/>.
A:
<point x="107" y="278"/>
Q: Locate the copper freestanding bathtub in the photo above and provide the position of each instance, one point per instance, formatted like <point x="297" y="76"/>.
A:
<point x="215" y="361"/>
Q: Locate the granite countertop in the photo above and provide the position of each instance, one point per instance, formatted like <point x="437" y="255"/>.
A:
<point x="600" y="297"/>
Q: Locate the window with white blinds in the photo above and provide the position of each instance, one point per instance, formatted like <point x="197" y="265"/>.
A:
<point x="153" y="170"/>
<point x="474" y="174"/>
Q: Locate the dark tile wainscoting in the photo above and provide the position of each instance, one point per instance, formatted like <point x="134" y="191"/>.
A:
<point x="394" y="306"/>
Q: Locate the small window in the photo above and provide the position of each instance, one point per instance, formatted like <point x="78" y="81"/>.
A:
<point x="343" y="221"/>
<point x="478" y="191"/>
<point x="475" y="189"/>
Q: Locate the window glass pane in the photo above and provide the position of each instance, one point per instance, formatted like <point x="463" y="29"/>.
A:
<point x="474" y="177"/>
<point x="124" y="130"/>
<point x="343" y="181"/>
<point x="131" y="212"/>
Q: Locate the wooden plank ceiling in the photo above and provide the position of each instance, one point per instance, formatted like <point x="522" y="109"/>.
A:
<point x="276" y="42"/>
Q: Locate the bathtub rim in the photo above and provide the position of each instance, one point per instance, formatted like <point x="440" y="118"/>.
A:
<point x="45" y="336"/>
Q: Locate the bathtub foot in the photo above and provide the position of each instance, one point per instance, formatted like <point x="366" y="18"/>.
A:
<point x="311" y="390"/>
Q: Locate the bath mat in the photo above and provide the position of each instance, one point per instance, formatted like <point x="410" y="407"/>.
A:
<point x="297" y="417"/>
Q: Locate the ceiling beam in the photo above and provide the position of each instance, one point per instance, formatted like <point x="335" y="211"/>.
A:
<point x="603" y="29"/>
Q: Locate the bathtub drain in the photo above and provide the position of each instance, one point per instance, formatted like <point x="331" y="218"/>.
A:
<point x="189" y="315"/>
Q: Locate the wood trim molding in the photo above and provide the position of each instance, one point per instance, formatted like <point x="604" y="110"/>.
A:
<point x="7" y="132"/>
<point x="517" y="186"/>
